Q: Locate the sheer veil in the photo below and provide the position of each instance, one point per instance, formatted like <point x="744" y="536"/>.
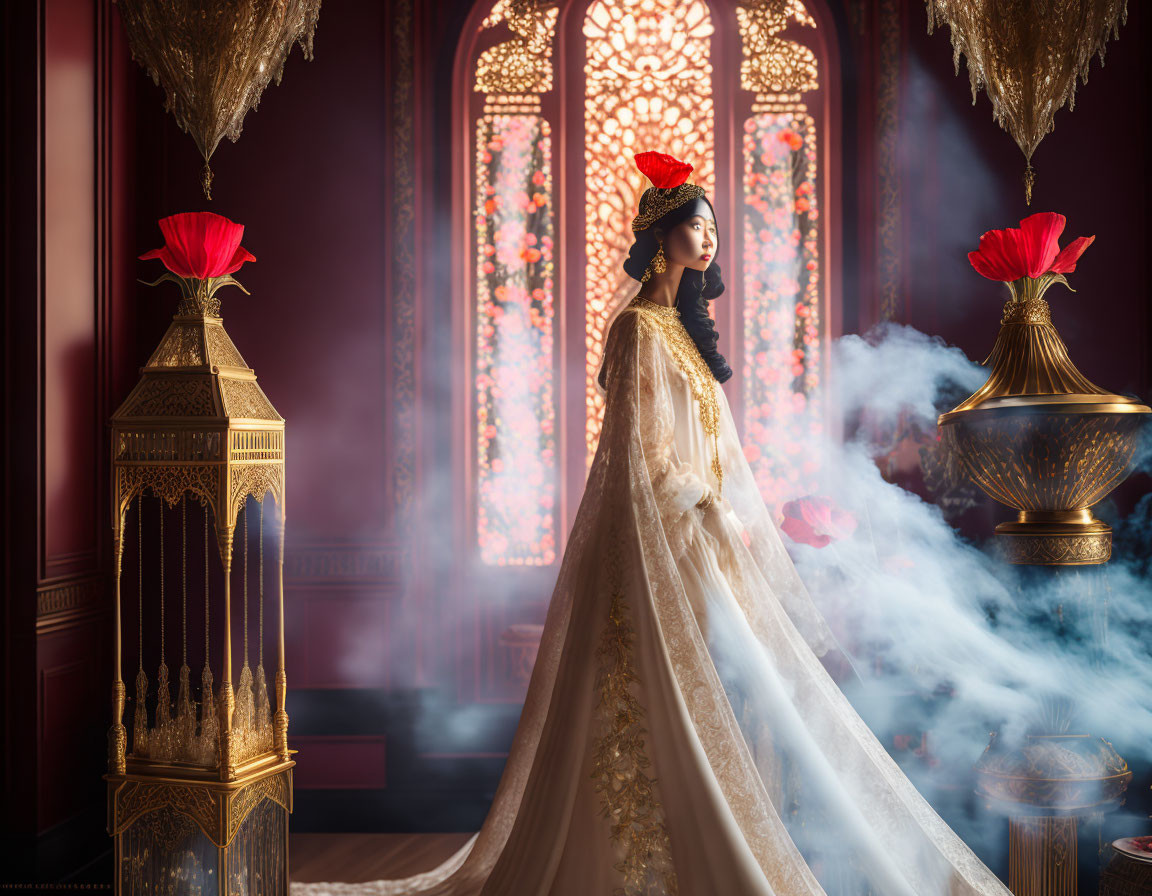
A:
<point x="679" y="732"/>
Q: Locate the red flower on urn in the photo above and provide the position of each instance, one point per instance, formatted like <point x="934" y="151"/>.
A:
<point x="201" y="251"/>
<point x="1029" y="258"/>
<point x="815" y="520"/>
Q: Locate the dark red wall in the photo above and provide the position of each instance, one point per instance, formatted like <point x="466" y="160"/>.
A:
<point x="68" y="342"/>
<point x="307" y="180"/>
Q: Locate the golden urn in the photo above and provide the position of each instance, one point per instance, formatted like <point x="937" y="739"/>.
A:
<point x="1041" y="438"/>
<point x="1066" y="773"/>
<point x="1043" y="785"/>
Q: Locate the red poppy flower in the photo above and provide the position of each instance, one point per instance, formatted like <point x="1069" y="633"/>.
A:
<point x="794" y="140"/>
<point x="1040" y="241"/>
<point x="1065" y="262"/>
<point x="663" y="170"/>
<point x="1032" y="250"/>
<point x="998" y="257"/>
<point x="814" y="520"/>
<point x="201" y="245"/>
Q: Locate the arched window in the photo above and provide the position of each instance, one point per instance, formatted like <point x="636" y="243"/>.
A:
<point x="647" y="85"/>
<point x="549" y="195"/>
<point x="784" y="296"/>
<point x="516" y="462"/>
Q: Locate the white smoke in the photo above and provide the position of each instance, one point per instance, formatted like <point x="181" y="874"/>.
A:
<point x="971" y="643"/>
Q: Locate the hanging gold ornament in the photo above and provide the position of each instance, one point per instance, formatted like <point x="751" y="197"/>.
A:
<point x="1027" y="54"/>
<point x="215" y="59"/>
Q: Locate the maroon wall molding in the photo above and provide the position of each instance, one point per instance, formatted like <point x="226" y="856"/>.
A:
<point x="340" y="762"/>
<point x="402" y="266"/>
<point x="58" y="601"/>
<point x="890" y="243"/>
<point x="65" y="304"/>
<point x="329" y="563"/>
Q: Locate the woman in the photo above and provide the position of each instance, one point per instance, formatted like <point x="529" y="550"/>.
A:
<point x="630" y="773"/>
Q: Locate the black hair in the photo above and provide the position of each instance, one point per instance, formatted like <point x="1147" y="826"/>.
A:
<point x="696" y="290"/>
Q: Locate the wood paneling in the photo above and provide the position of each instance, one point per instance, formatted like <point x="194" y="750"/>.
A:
<point x="72" y="717"/>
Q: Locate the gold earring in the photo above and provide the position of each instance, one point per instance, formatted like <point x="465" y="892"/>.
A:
<point x="658" y="263"/>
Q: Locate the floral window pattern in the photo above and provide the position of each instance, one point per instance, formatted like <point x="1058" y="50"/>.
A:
<point x="517" y="468"/>
<point x="648" y="84"/>
<point x="783" y="329"/>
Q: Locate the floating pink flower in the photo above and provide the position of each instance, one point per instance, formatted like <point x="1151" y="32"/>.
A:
<point x="814" y="520"/>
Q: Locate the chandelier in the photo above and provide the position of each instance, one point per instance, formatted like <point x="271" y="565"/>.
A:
<point x="215" y="59"/>
<point x="1027" y="55"/>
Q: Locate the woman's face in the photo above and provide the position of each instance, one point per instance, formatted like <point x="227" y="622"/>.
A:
<point x="693" y="242"/>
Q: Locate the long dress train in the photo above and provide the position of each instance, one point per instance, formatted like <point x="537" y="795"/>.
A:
<point x="629" y="772"/>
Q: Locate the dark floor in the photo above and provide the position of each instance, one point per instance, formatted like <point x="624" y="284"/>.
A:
<point x="355" y="858"/>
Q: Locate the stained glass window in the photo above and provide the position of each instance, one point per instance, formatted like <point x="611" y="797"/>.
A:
<point x="782" y="308"/>
<point x="648" y="82"/>
<point x="783" y="313"/>
<point x="516" y="464"/>
<point x="515" y="412"/>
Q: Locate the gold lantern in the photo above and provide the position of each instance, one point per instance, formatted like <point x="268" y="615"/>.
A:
<point x="1041" y="438"/>
<point x="198" y="800"/>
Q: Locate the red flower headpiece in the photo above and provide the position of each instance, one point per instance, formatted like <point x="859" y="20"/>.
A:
<point x="1029" y="259"/>
<point x="669" y="189"/>
<point x="663" y="170"/>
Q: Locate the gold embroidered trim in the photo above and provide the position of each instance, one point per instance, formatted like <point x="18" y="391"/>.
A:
<point x="657" y="202"/>
<point x="694" y="367"/>
<point x="628" y="797"/>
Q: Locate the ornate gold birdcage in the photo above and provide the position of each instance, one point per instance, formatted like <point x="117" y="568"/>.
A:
<point x="198" y="796"/>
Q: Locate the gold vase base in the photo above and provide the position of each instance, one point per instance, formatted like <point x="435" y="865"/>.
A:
<point x="1055" y="538"/>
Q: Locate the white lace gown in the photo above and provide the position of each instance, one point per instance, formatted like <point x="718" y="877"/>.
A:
<point x="629" y="772"/>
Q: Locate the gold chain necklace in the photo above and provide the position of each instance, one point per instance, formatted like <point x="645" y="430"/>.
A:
<point x="683" y="349"/>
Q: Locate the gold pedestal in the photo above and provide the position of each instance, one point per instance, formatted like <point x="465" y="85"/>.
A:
<point x="180" y="831"/>
<point x="1055" y="538"/>
<point x="1042" y="856"/>
<point x="1041" y="438"/>
<point x="1043" y="785"/>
